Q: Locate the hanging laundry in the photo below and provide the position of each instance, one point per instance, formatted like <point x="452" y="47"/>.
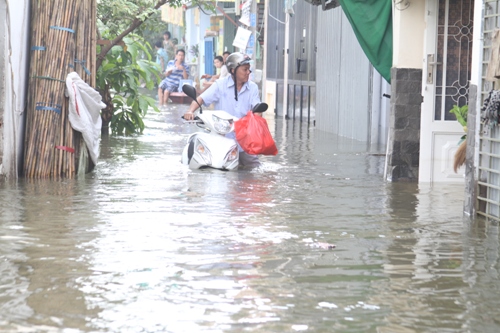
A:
<point x="490" y="108"/>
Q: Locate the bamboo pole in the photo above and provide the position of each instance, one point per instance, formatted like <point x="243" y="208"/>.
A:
<point x="40" y="20"/>
<point x="49" y="92"/>
<point x="67" y="31"/>
<point x="65" y="159"/>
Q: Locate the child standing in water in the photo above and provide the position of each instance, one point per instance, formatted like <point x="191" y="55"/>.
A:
<point x="161" y="56"/>
<point x="169" y="46"/>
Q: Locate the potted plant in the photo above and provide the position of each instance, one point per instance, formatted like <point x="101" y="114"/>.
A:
<point x="194" y="50"/>
<point x="460" y="113"/>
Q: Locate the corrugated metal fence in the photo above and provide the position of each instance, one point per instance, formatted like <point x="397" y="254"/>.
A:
<point x="344" y="77"/>
<point x="331" y="82"/>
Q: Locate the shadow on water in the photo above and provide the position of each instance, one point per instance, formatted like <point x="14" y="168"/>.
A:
<point x="144" y="244"/>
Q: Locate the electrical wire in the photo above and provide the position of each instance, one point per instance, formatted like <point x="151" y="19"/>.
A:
<point x="269" y="14"/>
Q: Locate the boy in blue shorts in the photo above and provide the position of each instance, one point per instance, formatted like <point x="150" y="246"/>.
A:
<point x="176" y="70"/>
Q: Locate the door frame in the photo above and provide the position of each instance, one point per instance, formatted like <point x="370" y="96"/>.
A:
<point x="430" y="128"/>
<point x="209" y="55"/>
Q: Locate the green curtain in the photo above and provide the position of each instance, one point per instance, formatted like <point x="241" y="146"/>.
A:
<point x="371" y="21"/>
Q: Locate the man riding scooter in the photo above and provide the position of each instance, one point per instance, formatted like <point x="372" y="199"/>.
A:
<point x="234" y="94"/>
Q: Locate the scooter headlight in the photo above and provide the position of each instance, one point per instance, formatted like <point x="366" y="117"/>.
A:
<point x="232" y="155"/>
<point x="232" y="158"/>
<point x="203" y="151"/>
<point x="222" y="126"/>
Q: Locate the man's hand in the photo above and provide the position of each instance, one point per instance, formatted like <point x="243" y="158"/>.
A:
<point x="188" y="115"/>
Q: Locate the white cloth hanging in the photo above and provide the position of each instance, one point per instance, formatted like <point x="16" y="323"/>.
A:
<point x="85" y="105"/>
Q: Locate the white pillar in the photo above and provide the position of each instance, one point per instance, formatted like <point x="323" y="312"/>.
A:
<point x="285" y="72"/>
<point x="14" y="46"/>
<point x="264" y="49"/>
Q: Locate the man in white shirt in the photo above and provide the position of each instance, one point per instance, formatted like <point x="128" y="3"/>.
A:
<point x="235" y="94"/>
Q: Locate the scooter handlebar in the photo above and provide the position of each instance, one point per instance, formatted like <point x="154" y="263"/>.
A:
<point x="196" y="120"/>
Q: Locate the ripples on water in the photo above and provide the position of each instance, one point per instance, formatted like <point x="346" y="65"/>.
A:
<point x="143" y="244"/>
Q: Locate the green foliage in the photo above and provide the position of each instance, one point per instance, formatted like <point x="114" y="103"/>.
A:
<point x="117" y="15"/>
<point x="460" y="113"/>
<point x="152" y="30"/>
<point x="195" y="50"/>
<point x="123" y="72"/>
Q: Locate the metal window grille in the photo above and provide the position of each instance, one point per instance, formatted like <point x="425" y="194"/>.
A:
<point x="489" y="145"/>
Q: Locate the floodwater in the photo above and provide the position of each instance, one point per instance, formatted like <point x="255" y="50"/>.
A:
<point x="143" y="244"/>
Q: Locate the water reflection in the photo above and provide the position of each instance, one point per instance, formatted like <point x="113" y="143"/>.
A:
<point x="13" y="240"/>
<point x="480" y="275"/>
<point x="42" y="259"/>
<point x="144" y="244"/>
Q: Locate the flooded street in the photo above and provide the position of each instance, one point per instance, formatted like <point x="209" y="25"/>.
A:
<point x="143" y="244"/>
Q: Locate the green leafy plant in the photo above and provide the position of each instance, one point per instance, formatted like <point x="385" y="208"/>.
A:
<point x="117" y="20"/>
<point x="122" y="70"/>
<point x="460" y="113"/>
<point x="119" y="80"/>
<point x="195" y="50"/>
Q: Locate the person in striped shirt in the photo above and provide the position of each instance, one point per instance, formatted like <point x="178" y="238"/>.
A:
<point x="177" y="70"/>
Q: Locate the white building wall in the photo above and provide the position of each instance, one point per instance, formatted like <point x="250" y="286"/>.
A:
<point x="196" y="24"/>
<point x="14" y="57"/>
<point x="408" y="36"/>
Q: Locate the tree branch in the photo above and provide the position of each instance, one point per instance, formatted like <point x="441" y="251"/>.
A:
<point x="135" y="23"/>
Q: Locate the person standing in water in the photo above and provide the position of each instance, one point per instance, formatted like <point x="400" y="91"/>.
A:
<point x="169" y="45"/>
<point x="161" y="57"/>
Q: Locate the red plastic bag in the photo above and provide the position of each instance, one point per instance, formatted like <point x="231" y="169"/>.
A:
<point x="252" y="133"/>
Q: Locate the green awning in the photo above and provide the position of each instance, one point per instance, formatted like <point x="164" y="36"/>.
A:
<point x="371" y="21"/>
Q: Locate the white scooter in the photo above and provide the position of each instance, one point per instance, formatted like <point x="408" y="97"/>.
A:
<point x="211" y="148"/>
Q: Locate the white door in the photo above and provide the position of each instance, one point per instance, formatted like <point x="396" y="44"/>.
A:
<point x="447" y="62"/>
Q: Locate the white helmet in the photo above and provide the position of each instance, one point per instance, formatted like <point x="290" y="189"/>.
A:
<point x="233" y="61"/>
<point x="236" y="59"/>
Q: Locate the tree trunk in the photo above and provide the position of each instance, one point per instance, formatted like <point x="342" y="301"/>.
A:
<point x="108" y="111"/>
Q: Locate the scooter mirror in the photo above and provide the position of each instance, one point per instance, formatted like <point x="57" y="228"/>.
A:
<point x="261" y="107"/>
<point x="189" y="90"/>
